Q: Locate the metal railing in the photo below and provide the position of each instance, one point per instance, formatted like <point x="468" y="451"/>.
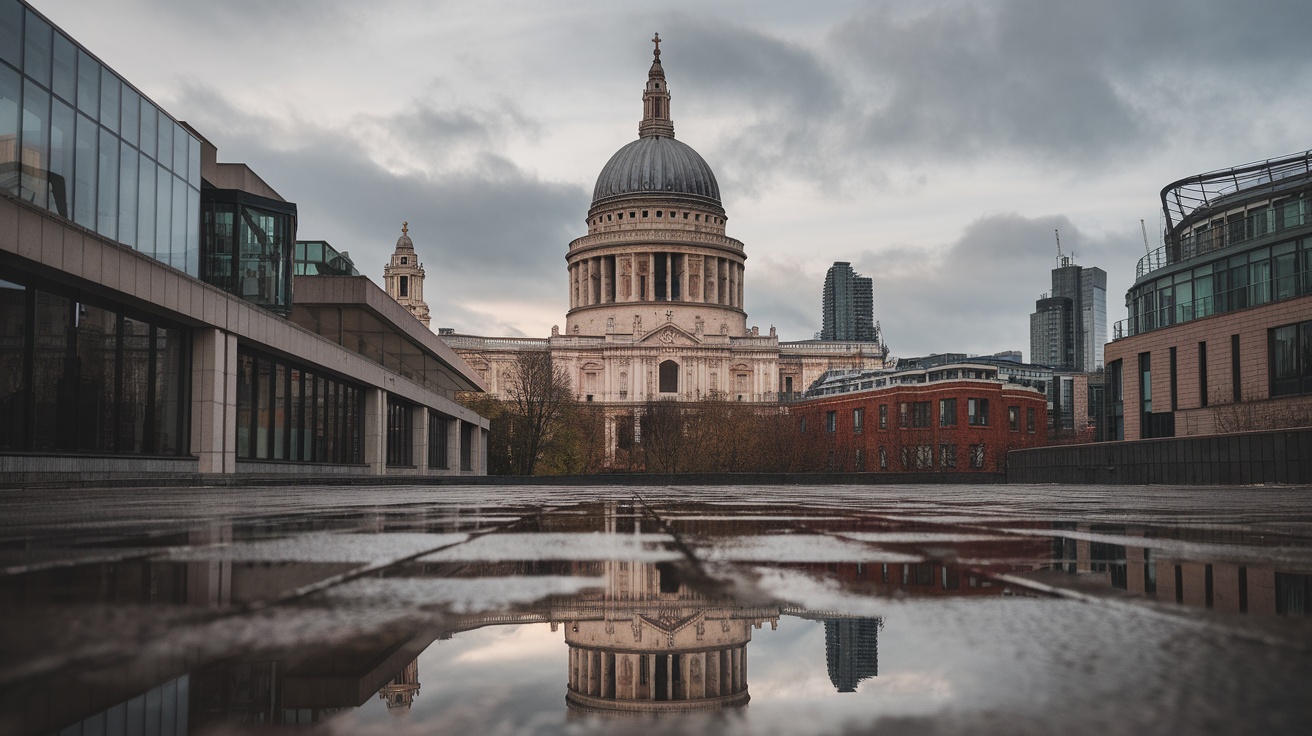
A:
<point x="1233" y="232"/>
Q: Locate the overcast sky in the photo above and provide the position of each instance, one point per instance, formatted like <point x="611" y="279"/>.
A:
<point x="935" y="144"/>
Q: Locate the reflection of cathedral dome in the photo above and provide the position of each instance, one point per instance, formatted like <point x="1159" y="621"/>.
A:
<point x="656" y="165"/>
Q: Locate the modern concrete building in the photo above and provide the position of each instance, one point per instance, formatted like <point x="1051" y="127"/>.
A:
<point x="1069" y="325"/>
<point x="1219" y="333"/>
<point x="147" y="319"/>
<point x="848" y="306"/>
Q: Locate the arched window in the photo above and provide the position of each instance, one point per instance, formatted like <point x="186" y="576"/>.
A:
<point x="669" y="377"/>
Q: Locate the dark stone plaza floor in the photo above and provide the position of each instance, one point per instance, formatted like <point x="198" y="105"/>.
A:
<point x="729" y="609"/>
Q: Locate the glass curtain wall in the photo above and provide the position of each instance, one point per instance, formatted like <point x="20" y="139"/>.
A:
<point x="83" y="375"/>
<point x="77" y="140"/>
<point x="1281" y="271"/>
<point x="288" y="412"/>
<point x="247" y="247"/>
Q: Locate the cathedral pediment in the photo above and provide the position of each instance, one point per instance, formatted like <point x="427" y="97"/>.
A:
<point x="670" y="334"/>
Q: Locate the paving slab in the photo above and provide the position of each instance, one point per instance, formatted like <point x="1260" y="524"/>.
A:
<point x="680" y="609"/>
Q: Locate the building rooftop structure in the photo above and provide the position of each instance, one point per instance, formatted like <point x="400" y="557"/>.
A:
<point x="1210" y="217"/>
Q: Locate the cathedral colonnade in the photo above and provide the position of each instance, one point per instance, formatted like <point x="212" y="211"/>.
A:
<point x="649" y="681"/>
<point x="656" y="276"/>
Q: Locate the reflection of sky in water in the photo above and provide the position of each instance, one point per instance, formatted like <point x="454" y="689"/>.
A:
<point x="1027" y="656"/>
<point x="498" y="679"/>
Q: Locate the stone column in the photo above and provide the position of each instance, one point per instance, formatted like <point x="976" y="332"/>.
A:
<point x="710" y="273"/>
<point x="607" y="277"/>
<point x="419" y="435"/>
<point x="651" y="277"/>
<point x="375" y="430"/>
<point x="733" y="284"/>
<point x="741" y="272"/>
<point x="214" y="400"/>
<point x="683" y="278"/>
<point x="669" y="277"/>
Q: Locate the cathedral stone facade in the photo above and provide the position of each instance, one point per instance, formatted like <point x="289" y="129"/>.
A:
<point x="656" y="291"/>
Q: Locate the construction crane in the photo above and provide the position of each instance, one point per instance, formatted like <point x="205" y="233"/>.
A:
<point x="1061" y="261"/>
<point x="1144" y="228"/>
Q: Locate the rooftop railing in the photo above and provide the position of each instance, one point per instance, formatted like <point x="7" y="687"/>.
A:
<point x="1235" y="231"/>
<point x="1182" y="198"/>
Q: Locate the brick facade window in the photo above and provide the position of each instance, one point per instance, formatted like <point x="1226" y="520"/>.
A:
<point x="947" y="412"/>
<point x="920" y="414"/>
<point x="831" y="421"/>
<point x="947" y="456"/>
<point x="858" y="420"/>
<point x="1291" y="359"/>
<point x="977" y="456"/>
<point x="1013" y="418"/>
<point x="977" y="412"/>
<point x="883" y="416"/>
<point x="1029" y="420"/>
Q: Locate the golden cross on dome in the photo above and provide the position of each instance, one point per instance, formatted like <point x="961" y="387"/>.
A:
<point x="405" y="227"/>
<point x="657" y="40"/>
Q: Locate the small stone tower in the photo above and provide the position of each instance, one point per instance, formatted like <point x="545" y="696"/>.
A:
<point x="403" y="277"/>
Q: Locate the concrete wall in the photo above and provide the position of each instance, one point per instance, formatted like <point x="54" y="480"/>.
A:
<point x="1279" y="456"/>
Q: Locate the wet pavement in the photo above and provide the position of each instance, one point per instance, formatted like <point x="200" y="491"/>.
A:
<point x="755" y="610"/>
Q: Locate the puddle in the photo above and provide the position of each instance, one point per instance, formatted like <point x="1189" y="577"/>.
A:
<point x="660" y="614"/>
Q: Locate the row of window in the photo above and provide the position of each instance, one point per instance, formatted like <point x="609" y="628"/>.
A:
<point x="286" y="411"/>
<point x="88" y="376"/>
<point x="922" y="457"/>
<point x="400" y="438"/>
<point x="633" y="215"/>
<point x="919" y="415"/>
<point x="75" y="139"/>
<point x="1238" y="227"/>
<point x="1249" y="279"/>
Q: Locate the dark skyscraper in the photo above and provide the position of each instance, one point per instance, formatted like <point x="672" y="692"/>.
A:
<point x="852" y="651"/>
<point x="1069" y="327"/>
<point x="849" y="306"/>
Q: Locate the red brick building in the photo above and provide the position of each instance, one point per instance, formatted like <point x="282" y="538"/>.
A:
<point x="937" y="421"/>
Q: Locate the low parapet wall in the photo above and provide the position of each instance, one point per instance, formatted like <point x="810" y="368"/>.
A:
<point x="1277" y="456"/>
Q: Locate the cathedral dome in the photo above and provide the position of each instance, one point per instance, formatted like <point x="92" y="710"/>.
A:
<point x="656" y="165"/>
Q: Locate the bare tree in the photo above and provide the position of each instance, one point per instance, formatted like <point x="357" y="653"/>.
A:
<point x="537" y="396"/>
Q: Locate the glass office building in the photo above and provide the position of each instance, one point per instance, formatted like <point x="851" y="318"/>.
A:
<point x="145" y="290"/>
<point x="78" y="140"/>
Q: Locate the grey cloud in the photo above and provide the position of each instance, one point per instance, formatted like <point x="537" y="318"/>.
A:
<point x="975" y="295"/>
<point x="488" y="234"/>
<point x="1081" y="87"/>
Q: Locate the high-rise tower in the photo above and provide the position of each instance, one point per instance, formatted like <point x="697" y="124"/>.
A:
<point x="1069" y="327"/>
<point x="849" y="305"/>
<point x="403" y="277"/>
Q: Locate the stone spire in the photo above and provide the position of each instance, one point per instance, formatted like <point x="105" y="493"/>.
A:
<point x="403" y="277"/>
<point x="656" y="100"/>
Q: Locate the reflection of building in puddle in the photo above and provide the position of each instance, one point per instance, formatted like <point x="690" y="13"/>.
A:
<point x="400" y="693"/>
<point x="649" y="644"/>
<point x="852" y="651"/>
<point x="1092" y="551"/>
